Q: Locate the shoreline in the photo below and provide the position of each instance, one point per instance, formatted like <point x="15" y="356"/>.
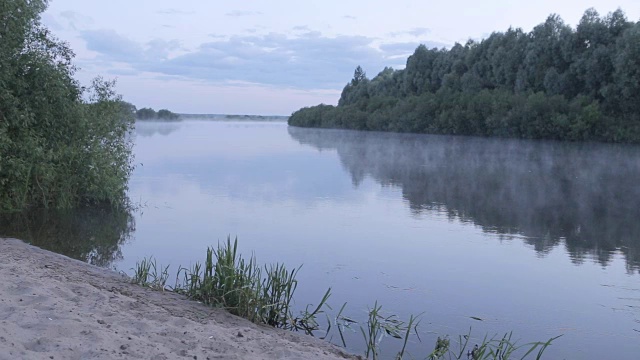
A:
<point x="55" y="307"/>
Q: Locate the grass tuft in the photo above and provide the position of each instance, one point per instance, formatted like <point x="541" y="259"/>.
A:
<point x="260" y="294"/>
<point x="147" y="273"/>
<point x="265" y="295"/>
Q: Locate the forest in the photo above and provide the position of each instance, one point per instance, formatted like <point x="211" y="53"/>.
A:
<point x="555" y="82"/>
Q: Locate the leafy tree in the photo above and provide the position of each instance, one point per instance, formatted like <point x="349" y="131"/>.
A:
<point x="554" y="82"/>
<point x="129" y="108"/>
<point x="165" y="114"/>
<point x="56" y="150"/>
<point x="356" y="90"/>
<point x="146" y="114"/>
<point x="150" y="114"/>
<point x="627" y="71"/>
<point x="384" y="84"/>
<point x="358" y="76"/>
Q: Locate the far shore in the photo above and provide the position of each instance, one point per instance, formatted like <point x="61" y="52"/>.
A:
<point x="55" y="307"/>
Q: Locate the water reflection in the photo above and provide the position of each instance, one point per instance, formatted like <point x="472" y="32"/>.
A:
<point x="151" y="128"/>
<point x="91" y="235"/>
<point x="582" y="196"/>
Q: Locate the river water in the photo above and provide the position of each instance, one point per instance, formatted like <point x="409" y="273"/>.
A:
<point x="539" y="238"/>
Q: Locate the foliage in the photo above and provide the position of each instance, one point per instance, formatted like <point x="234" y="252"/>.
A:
<point x="378" y="326"/>
<point x="239" y="285"/>
<point x="56" y="149"/>
<point x="552" y="83"/>
<point x="148" y="273"/>
<point x="150" y="114"/>
<point x="260" y="294"/>
<point x="128" y="108"/>
<point x="165" y="114"/>
<point x="146" y="114"/>
<point x="495" y="348"/>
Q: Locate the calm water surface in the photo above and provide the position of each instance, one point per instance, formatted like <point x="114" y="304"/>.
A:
<point x="541" y="238"/>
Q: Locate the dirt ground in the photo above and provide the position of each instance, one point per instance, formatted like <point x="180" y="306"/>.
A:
<point x="54" y="307"/>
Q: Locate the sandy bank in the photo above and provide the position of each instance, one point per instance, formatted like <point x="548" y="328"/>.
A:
<point x="54" y="307"/>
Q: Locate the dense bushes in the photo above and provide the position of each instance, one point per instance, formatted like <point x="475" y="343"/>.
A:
<point x="56" y="149"/>
<point x="553" y="83"/>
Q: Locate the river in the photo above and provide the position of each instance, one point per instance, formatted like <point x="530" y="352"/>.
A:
<point x="536" y="237"/>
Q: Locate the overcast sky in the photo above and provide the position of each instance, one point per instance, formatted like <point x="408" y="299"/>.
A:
<point x="273" y="57"/>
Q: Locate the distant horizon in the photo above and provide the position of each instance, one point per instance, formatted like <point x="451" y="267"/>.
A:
<point x="239" y="115"/>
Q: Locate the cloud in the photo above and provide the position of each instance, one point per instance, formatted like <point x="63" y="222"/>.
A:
<point x="415" y="32"/>
<point x="161" y="49"/>
<point x="420" y="31"/>
<point x="238" y="13"/>
<point x="123" y="72"/>
<point x="75" y="20"/>
<point x="407" y="48"/>
<point x="350" y="17"/>
<point x="305" y="61"/>
<point x="109" y="42"/>
<point x="113" y="47"/>
<point x="397" y="49"/>
<point x="51" y="22"/>
<point x="69" y="15"/>
<point x="174" y="12"/>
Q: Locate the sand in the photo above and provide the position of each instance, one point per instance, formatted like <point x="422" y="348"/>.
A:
<point x="54" y="307"/>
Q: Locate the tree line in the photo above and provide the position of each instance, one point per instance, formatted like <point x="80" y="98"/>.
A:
<point x="555" y="82"/>
<point x="61" y="145"/>
<point x="149" y="113"/>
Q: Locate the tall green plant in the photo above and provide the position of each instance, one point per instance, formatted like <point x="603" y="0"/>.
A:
<point x="239" y="285"/>
<point x="56" y="149"/>
<point x="261" y="294"/>
<point x="554" y="82"/>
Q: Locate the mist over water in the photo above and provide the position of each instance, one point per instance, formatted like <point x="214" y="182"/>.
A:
<point x="541" y="238"/>
<point x="584" y="197"/>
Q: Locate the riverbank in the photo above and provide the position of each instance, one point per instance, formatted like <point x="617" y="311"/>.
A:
<point x="54" y="307"/>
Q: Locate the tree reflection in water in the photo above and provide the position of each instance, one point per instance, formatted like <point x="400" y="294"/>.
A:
<point x="584" y="196"/>
<point x="91" y="235"/>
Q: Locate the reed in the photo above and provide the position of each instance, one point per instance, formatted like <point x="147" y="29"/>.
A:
<point x="147" y="273"/>
<point x="379" y="326"/>
<point x="260" y="294"/>
<point x="495" y="348"/>
<point x="265" y="295"/>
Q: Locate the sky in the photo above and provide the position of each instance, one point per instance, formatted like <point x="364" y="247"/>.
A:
<point x="274" y="57"/>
